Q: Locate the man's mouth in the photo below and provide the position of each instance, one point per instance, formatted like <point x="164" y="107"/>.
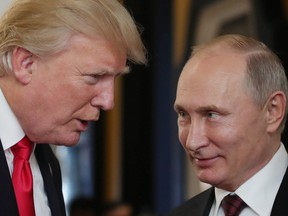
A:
<point x="83" y="125"/>
<point x="205" y="162"/>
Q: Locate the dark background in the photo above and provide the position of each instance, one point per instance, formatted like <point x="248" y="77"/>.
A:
<point x="153" y="170"/>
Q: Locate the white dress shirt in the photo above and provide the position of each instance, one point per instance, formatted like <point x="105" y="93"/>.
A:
<point x="11" y="133"/>
<point x="260" y="191"/>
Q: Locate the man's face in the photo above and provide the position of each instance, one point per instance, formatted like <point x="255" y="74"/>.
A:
<point x="220" y="127"/>
<point x="69" y="89"/>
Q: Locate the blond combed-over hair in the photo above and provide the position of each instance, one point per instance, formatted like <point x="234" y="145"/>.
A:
<point x="44" y="27"/>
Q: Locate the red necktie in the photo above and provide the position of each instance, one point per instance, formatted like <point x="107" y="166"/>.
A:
<point x="22" y="177"/>
<point x="232" y="205"/>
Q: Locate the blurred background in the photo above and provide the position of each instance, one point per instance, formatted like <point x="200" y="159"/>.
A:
<point x="133" y="154"/>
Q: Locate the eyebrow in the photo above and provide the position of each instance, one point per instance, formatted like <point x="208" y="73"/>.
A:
<point x="209" y="107"/>
<point x="177" y="107"/>
<point x="124" y="71"/>
<point x="202" y="109"/>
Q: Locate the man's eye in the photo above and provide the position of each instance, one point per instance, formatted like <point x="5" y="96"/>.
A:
<point x="212" y="115"/>
<point x="182" y="114"/>
<point x="95" y="76"/>
<point x="92" y="78"/>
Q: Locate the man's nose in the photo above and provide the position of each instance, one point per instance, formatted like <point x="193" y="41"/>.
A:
<point x="105" y="97"/>
<point x="197" y="137"/>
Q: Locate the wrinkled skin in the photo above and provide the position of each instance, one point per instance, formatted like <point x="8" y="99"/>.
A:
<point x="55" y="97"/>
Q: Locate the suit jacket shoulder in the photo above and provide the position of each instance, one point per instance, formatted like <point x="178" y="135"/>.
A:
<point x="199" y="205"/>
<point x="8" y="204"/>
<point x="280" y="206"/>
<point x="51" y="173"/>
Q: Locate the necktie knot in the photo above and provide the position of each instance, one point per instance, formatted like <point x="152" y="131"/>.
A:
<point x="232" y="205"/>
<point x="23" y="148"/>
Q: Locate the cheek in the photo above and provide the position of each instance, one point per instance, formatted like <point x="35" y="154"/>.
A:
<point x="222" y="132"/>
<point x="74" y="95"/>
<point x="232" y="145"/>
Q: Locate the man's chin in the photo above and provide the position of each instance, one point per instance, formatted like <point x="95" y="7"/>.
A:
<point x="70" y="142"/>
<point x="208" y="177"/>
<point x="66" y="141"/>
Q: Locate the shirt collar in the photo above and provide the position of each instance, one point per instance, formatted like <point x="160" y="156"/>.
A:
<point x="10" y="129"/>
<point x="255" y="192"/>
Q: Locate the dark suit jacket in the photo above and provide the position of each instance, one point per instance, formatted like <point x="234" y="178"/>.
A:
<point x="51" y="174"/>
<point x="200" y="205"/>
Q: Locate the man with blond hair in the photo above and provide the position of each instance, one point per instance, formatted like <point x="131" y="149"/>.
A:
<point x="58" y="63"/>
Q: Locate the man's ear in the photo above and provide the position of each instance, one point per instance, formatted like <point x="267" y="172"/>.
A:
<point x="276" y="107"/>
<point x="22" y="61"/>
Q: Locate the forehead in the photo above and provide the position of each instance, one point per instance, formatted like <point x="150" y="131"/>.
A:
<point x="96" y="51"/>
<point x="212" y="78"/>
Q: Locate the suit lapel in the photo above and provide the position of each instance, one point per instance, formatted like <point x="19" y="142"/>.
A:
<point x="198" y="205"/>
<point x="51" y="177"/>
<point x="280" y="206"/>
<point x="207" y="202"/>
<point x="8" y="204"/>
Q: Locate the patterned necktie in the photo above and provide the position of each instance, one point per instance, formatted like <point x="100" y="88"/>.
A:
<point x="232" y="205"/>
<point x="22" y="177"/>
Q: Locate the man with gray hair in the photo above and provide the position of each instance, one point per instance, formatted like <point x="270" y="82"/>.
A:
<point x="58" y="63"/>
<point x="232" y="105"/>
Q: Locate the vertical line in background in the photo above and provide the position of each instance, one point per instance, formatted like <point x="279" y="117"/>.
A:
<point x="112" y="149"/>
<point x="285" y="3"/>
<point x="181" y="11"/>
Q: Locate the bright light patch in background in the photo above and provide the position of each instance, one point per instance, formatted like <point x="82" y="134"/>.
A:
<point x="3" y="6"/>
